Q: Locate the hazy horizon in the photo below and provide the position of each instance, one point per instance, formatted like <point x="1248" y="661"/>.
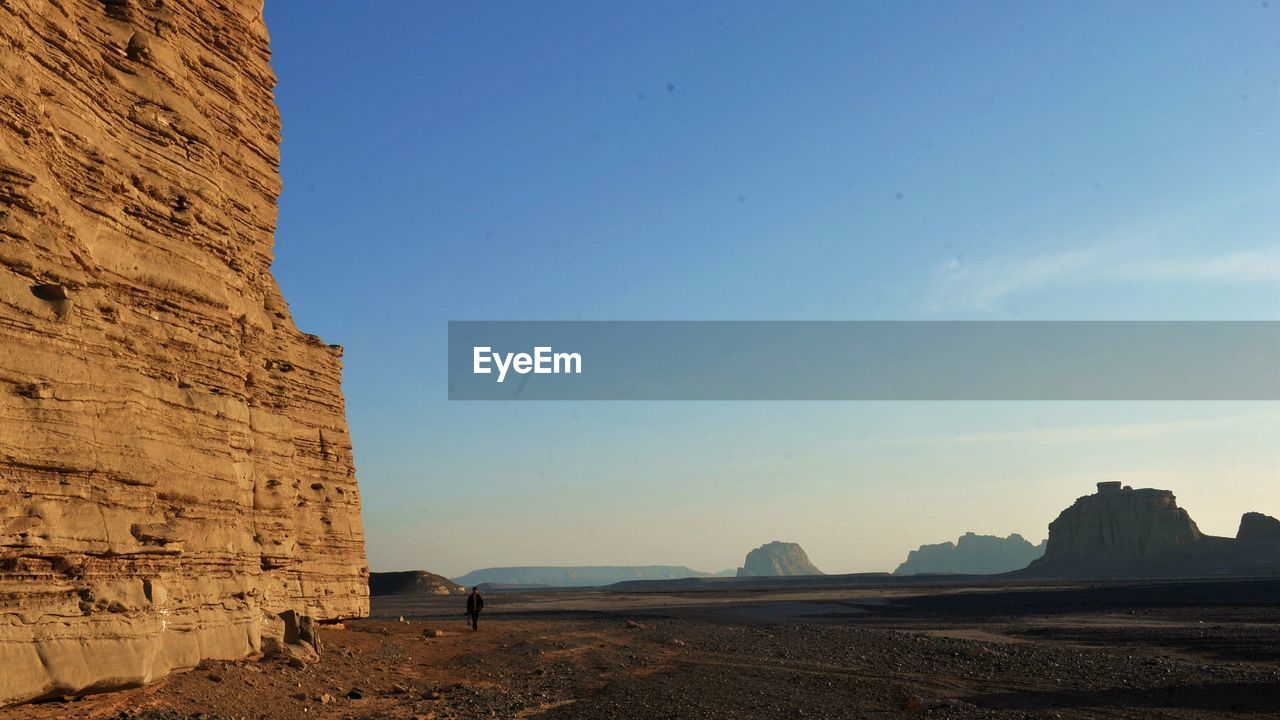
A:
<point x="902" y="489"/>
<point x="759" y="161"/>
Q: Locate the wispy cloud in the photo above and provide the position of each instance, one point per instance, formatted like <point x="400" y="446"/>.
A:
<point x="1253" y="266"/>
<point x="1146" y="253"/>
<point x="984" y="284"/>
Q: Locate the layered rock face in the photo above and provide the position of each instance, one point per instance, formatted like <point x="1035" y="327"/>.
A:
<point x="175" y="467"/>
<point x="1123" y="532"/>
<point x="972" y="554"/>
<point x="775" y="559"/>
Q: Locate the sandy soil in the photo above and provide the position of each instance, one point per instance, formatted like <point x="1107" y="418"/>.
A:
<point x="1182" y="650"/>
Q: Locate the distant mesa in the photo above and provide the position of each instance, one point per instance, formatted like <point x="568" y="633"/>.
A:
<point x="777" y="559"/>
<point x="412" y="582"/>
<point x="574" y="576"/>
<point x="1123" y="532"/>
<point x="972" y="554"/>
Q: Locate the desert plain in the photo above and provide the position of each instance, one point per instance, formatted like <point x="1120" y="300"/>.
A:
<point x="865" y="648"/>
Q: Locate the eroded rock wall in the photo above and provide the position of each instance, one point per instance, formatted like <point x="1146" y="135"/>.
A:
<point x="175" y="467"/>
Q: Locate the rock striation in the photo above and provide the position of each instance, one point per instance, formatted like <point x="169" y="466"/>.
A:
<point x="776" y="559"/>
<point x="176" y="476"/>
<point x="1123" y="532"/>
<point x="412" y="582"/>
<point x="972" y="554"/>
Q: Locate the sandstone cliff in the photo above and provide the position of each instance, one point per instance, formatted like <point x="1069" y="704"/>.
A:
<point x="175" y="468"/>
<point x="1123" y="532"/>
<point x="777" y="558"/>
<point x="972" y="554"/>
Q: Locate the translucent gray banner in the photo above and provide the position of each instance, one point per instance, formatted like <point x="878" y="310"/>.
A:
<point x="856" y="360"/>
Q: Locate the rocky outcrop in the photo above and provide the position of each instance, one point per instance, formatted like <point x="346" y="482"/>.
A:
<point x="176" y="477"/>
<point x="972" y="554"/>
<point x="776" y="559"/>
<point x="573" y="576"/>
<point x="1255" y="526"/>
<point x="412" y="582"/>
<point x="1123" y="532"/>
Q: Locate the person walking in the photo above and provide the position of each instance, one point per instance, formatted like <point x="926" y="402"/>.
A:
<point x="475" y="603"/>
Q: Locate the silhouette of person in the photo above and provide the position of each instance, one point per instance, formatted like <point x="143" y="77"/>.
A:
<point x="475" y="604"/>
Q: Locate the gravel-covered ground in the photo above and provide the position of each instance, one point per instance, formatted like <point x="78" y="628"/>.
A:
<point x="1117" y="651"/>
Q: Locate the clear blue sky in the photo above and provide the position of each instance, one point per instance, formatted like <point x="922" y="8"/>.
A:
<point x="750" y="160"/>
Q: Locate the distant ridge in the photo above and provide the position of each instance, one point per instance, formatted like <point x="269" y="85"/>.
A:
<point x="575" y="576"/>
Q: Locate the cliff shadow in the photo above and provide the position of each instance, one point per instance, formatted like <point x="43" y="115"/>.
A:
<point x="1261" y="698"/>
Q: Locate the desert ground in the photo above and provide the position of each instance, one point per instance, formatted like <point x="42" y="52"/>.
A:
<point x="1208" y="649"/>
